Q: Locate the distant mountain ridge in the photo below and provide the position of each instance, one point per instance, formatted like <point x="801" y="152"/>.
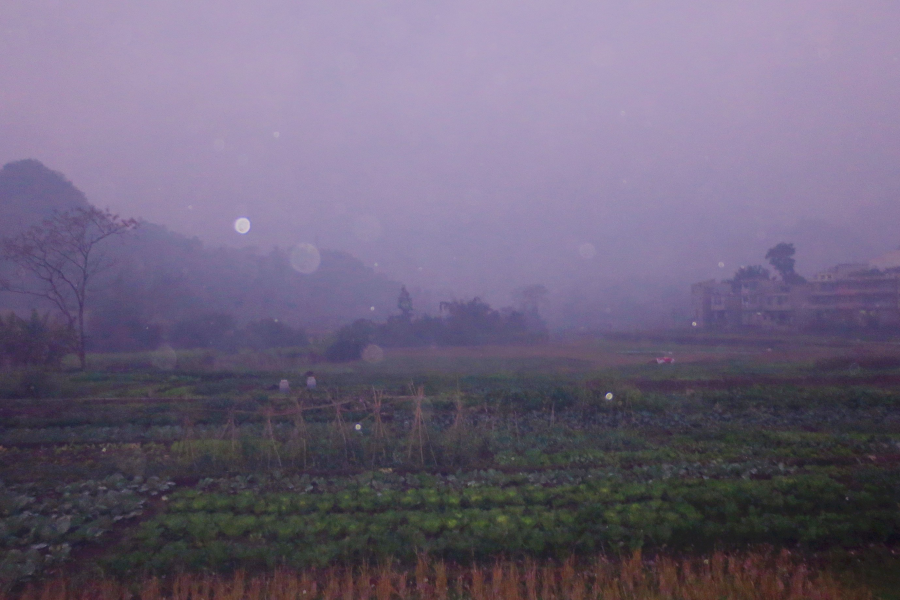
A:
<point x="164" y="278"/>
<point x="30" y="192"/>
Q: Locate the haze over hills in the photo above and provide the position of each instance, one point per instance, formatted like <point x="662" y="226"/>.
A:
<point x="162" y="278"/>
<point x="472" y="149"/>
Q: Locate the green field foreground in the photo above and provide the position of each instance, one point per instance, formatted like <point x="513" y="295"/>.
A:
<point x="135" y="476"/>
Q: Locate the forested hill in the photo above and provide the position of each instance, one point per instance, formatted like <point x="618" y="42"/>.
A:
<point x="164" y="281"/>
<point x="30" y="192"/>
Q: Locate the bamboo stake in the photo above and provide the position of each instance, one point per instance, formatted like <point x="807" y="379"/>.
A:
<point x="300" y="432"/>
<point x="187" y="426"/>
<point x="339" y="423"/>
<point x="416" y="433"/>
<point x="456" y="428"/>
<point x="269" y="432"/>
<point x="380" y="433"/>
<point x="230" y="431"/>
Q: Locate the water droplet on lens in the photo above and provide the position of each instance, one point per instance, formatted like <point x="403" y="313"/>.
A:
<point x="164" y="358"/>
<point x="305" y="258"/>
<point x="372" y="354"/>
<point x="242" y="225"/>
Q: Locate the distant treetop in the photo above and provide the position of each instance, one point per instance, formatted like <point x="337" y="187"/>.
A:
<point x="781" y="257"/>
<point x="750" y="273"/>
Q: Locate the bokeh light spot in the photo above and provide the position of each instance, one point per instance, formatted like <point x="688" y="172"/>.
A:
<point x="305" y="258"/>
<point x="372" y="354"/>
<point x="164" y="358"/>
<point x="242" y="225"/>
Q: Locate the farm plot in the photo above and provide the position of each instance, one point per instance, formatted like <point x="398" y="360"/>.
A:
<point x="310" y="522"/>
<point x="527" y="469"/>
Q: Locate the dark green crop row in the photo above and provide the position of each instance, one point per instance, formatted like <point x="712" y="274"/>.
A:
<point x="465" y="535"/>
<point x="218" y="540"/>
<point x="312" y="529"/>
<point x="793" y="495"/>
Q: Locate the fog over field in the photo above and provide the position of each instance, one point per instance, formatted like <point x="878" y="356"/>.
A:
<point x="613" y="151"/>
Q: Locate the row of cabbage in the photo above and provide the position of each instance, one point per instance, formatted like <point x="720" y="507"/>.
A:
<point x="41" y="523"/>
<point x="388" y="480"/>
<point x="553" y="446"/>
<point x="217" y="530"/>
<point x="780" y="493"/>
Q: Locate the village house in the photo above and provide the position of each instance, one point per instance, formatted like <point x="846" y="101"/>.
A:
<point x="858" y="295"/>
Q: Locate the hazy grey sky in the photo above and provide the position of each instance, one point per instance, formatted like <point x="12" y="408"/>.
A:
<point x="472" y="145"/>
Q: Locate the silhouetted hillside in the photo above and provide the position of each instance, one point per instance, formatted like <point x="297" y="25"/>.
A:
<point x="30" y="192"/>
<point x="163" y="280"/>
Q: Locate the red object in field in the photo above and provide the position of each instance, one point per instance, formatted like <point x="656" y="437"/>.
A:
<point x="665" y="360"/>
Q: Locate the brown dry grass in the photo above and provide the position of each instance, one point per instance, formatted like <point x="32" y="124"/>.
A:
<point x="754" y="576"/>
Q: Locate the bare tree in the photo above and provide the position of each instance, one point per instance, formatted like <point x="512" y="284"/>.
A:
<point x="57" y="259"/>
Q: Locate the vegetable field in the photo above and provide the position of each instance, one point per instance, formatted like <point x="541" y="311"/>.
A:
<point x="231" y="476"/>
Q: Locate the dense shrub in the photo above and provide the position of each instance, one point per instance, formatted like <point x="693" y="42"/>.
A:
<point x="210" y="330"/>
<point x="220" y="332"/>
<point x="349" y="341"/>
<point x="37" y="341"/>
<point x="271" y="333"/>
<point x="470" y="323"/>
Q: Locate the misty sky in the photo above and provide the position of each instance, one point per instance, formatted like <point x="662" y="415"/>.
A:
<point x="471" y="147"/>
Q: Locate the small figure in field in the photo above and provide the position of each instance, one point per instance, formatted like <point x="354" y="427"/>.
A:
<point x="310" y="380"/>
<point x="284" y="386"/>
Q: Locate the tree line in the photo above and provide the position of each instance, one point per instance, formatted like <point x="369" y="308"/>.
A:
<point x="461" y="323"/>
<point x="781" y="258"/>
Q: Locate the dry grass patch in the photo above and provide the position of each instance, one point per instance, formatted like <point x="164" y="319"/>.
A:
<point x="751" y="576"/>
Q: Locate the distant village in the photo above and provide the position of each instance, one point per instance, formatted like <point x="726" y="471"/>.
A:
<point x="857" y="295"/>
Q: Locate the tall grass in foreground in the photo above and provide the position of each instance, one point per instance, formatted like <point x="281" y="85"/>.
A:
<point x="732" y="576"/>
